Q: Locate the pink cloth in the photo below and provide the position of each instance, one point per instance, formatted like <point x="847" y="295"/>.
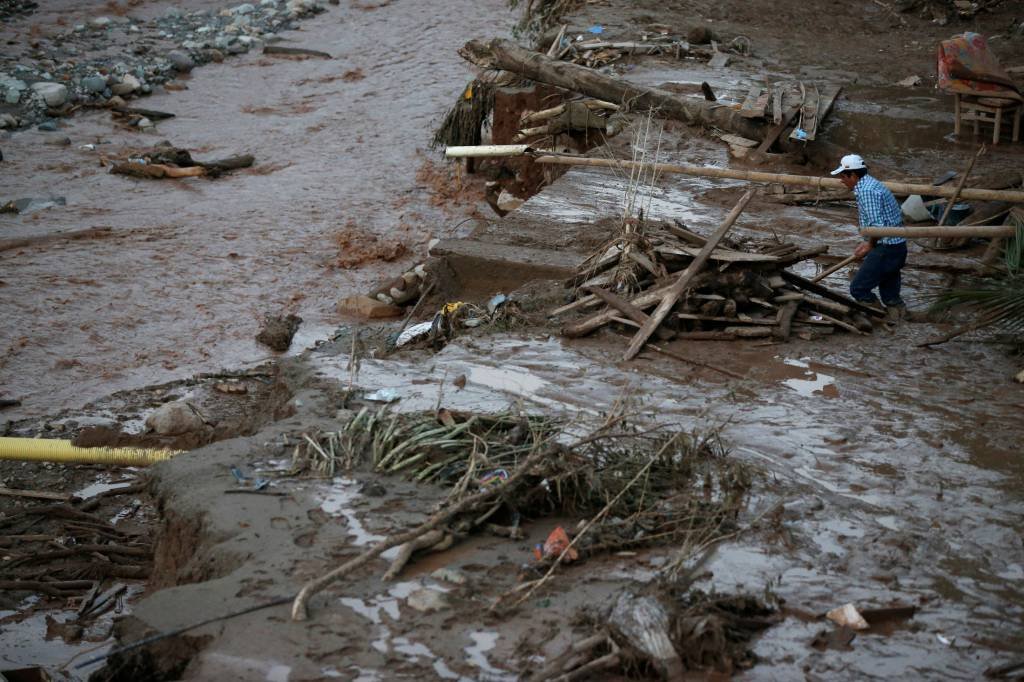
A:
<point x="967" y="66"/>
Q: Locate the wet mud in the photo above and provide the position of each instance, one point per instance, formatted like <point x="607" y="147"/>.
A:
<point x="884" y="476"/>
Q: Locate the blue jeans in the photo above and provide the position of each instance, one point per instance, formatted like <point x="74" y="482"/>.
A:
<point x="880" y="268"/>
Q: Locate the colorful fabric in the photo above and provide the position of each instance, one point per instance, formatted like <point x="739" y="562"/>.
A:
<point x="877" y="207"/>
<point x="966" y="66"/>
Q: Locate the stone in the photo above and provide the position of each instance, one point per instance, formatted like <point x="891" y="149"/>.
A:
<point x="48" y="126"/>
<point x="54" y="94"/>
<point x="508" y="201"/>
<point x="144" y="123"/>
<point x="175" y="418"/>
<point x="13" y="89"/>
<point x="238" y="48"/>
<point x="116" y="101"/>
<point x="181" y="60"/>
<point x="449" y="575"/>
<point x="367" y="307"/>
<point x="99" y="22"/>
<point x="127" y="86"/>
<point x="277" y="331"/>
<point x="173" y="13"/>
<point x="94" y="84"/>
<point x="425" y="600"/>
<point x="246" y="8"/>
<point x="8" y="121"/>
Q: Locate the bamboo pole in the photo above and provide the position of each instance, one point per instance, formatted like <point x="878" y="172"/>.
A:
<point x="901" y="188"/>
<point x="960" y="186"/>
<point x="486" y="150"/>
<point x="939" y="231"/>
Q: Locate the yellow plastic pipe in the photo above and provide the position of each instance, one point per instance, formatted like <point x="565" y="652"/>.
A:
<point x="63" y="451"/>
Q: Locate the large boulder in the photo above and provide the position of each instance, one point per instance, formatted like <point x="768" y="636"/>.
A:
<point x="54" y="94"/>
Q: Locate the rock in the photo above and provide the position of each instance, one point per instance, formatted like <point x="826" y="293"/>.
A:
<point x="508" y="201"/>
<point x="144" y="123"/>
<point x="99" y="22"/>
<point x="8" y="121"/>
<point x="425" y="600"/>
<point x="449" y="575"/>
<point x="173" y="13"/>
<point x="115" y="101"/>
<point x="127" y="86"/>
<point x="700" y="35"/>
<point x="176" y="418"/>
<point x="277" y="331"/>
<point x="364" y="306"/>
<point x="238" y="48"/>
<point x="94" y="84"/>
<point x="13" y="89"/>
<point x="181" y="60"/>
<point x="54" y="94"/>
<point x="48" y="126"/>
<point x="1020" y="377"/>
<point x="246" y="8"/>
<point x="909" y="82"/>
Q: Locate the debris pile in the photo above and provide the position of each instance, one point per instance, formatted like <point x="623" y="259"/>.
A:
<point x="746" y="292"/>
<point x="636" y="486"/>
<point x="164" y="160"/>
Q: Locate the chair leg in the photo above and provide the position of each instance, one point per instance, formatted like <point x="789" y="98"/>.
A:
<point x="956" y="115"/>
<point x="998" y="115"/>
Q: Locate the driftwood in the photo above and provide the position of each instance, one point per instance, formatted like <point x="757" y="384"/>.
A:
<point x="825" y="292"/>
<point x="295" y="51"/>
<point x="34" y="494"/>
<point x="151" y="114"/>
<point x="673" y="293"/>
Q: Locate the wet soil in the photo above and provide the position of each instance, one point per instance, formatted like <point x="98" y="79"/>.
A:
<point x="886" y="475"/>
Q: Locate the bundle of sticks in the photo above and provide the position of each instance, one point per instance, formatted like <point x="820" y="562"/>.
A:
<point x="742" y="292"/>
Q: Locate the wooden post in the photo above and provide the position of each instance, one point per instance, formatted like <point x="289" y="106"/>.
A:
<point x="838" y="266"/>
<point x="679" y="286"/>
<point x="960" y="185"/>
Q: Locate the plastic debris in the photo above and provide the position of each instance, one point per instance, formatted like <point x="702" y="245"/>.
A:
<point x="596" y="29"/>
<point x="414" y="332"/>
<point x="383" y="395"/>
<point x="553" y="547"/>
<point x="497" y="301"/>
<point x="494" y="477"/>
<point x="847" y="616"/>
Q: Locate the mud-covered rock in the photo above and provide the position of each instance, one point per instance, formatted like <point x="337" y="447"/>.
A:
<point x="53" y="94"/>
<point x="173" y="419"/>
<point x="277" y="331"/>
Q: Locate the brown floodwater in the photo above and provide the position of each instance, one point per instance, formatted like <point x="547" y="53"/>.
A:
<point x="180" y="283"/>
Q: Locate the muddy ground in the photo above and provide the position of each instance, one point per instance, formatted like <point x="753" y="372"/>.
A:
<point x="881" y="474"/>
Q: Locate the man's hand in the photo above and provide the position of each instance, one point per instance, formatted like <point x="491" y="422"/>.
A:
<point x="862" y="250"/>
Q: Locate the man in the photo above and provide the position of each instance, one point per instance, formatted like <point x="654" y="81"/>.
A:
<point x="883" y="258"/>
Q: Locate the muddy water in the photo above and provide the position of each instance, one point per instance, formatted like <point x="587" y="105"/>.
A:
<point x="190" y="266"/>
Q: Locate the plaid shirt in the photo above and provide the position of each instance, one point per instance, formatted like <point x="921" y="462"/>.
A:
<point x="877" y="207"/>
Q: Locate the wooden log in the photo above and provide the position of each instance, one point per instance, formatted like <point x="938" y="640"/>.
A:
<point x="228" y="164"/>
<point x="785" y="321"/>
<point x="676" y="289"/>
<point x="506" y="55"/>
<point x="35" y="494"/>
<point x="705" y="336"/>
<point x="620" y="304"/>
<point x="151" y="114"/>
<point x="940" y="232"/>
<point x="824" y="305"/>
<point x="775" y="132"/>
<point x="295" y="51"/>
<point x="825" y="292"/>
<point x="821" y="183"/>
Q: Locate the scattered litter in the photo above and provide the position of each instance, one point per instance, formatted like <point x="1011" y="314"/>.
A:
<point x="597" y="30"/>
<point x="910" y="82"/>
<point x="848" y="616"/>
<point x="414" y="332"/>
<point x="945" y="640"/>
<point x="553" y="547"/>
<point x="383" y="395"/>
<point x="914" y="209"/>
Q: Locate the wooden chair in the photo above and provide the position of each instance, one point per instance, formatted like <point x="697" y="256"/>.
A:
<point x="987" y="110"/>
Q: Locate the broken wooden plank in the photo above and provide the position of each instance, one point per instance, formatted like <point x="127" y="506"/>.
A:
<point x="776" y="131"/>
<point x="808" y="123"/>
<point x="755" y="104"/>
<point x="749" y="332"/>
<point x="785" y="321"/>
<point x="676" y="290"/>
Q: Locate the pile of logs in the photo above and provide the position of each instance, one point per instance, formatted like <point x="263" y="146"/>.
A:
<point x="744" y="292"/>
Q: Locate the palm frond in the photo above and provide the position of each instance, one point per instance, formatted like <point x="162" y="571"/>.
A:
<point x="998" y="302"/>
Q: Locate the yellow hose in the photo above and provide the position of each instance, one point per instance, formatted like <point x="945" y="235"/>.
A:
<point x="46" y="450"/>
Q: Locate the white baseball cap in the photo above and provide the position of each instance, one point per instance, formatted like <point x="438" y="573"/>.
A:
<point x="848" y="163"/>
